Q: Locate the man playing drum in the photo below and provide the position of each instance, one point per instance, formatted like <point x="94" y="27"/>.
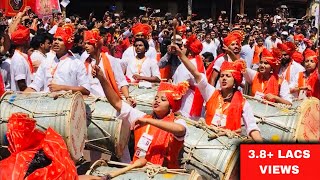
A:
<point x="226" y="107"/>
<point x="109" y="65"/>
<point x="63" y="72"/>
<point x="159" y="136"/>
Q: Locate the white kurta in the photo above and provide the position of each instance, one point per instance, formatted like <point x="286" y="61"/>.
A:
<point x="284" y="87"/>
<point x="269" y="43"/>
<point x="69" y="71"/>
<point x="5" y="72"/>
<point x="149" y="68"/>
<point x="180" y="75"/>
<point x="248" y="120"/>
<point x="96" y="88"/>
<point x="19" y="70"/>
<point x="130" y="53"/>
<point x="37" y="56"/>
<point x="210" y="47"/>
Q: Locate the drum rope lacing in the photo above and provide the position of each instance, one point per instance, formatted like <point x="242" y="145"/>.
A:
<point x="216" y="131"/>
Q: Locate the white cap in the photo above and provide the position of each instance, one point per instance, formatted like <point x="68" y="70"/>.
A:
<point x="67" y="20"/>
<point x="178" y="39"/>
<point x="285" y="33"/>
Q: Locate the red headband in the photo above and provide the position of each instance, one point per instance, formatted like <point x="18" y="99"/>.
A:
<point x="236" y="35"/>
<point x="92" y="36"/>
<point x="297" y="57"/>
<point x="288" y="47"/>
<point x="298" y="37"/>
<point x="270" y="57"/>
<point x="21" y="35"/>
<point x="194" y="45"/>
<point x="308" y="53"/>
<point x="182" y="28"/>
<point x="145" y="29"/>
<point x="236" y="68"/>
<point x="66" y="33"/>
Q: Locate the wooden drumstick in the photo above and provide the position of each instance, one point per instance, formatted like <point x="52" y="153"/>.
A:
<point x="137" y="164"/>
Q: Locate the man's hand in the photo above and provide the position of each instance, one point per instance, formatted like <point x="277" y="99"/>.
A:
<point x="131" y="101"/>
<point x="97" y="72"/>
<point x="143" y="121"/>
<point x="55" y="87"/>
<point x="270" y="97"/>
<point x="137" y="77"/>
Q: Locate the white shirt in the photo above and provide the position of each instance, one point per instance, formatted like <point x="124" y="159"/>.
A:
<point x="295" y="68"/>
<point x="130" y="53"/>
<point x="284" y="87"/>
<point x="180" y="75"/>
<point x="270" y="43"/>
<point x="210" y="47"/>
<point x="37" y="56"/>
<point x="5" y="72"/>
<point x="247" y="53"/>
<point x="19" y="70"/>
<point x="69" y="71"/>
<point x="207" y="91"/>
<point x="149" y="68"/>
<point x="96" y="88"/>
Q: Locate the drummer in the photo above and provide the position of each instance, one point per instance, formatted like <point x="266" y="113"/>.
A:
<point x="308" y="82"/>
<point x="226" y="107"/>
<point x="266" y="84"/>
<point x="62" y="72"/>
<point x="108" y="64"/>
<point x="158" y="137"/>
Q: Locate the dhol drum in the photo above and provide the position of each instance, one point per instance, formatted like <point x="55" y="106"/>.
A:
<point x="102" y="168"/>
<point x="144" y="97"/>
<point x="288" y="124"/>
<point x="106" y="133"/>
<point x="64" y="112"/>
<point x="214" y="158"/>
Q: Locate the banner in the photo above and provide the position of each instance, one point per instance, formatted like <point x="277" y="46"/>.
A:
<point x="12" y="7"/>
<point x="46" y="7"/>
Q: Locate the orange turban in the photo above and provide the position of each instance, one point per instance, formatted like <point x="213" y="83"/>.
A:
<point x="174" y="93"/>
<point x="145" y="29"/>
<point x="236" y="68"/>
<point x="308" y="53"/>
<point x="236" y="35"/>
<point x="21" y="35"/>
<point x="182" y="28"/>
<point x="92" y="37"/>
<point x="288" y="47"/>
<point x="66" y="33"/>
<point x="297" y="57"/>
<point x="270" y="57"/>
<point x="194" y="45"/>
<point x="298" y="37"/>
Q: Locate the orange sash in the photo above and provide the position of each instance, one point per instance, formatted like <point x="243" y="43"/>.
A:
<point x="109" y="73"/>
<point x="164" y="146"/>
<point x="311" y="81"/>
<point x="28" y="59"/>
<point x="271" y="86"/>
<point x="166" y="71"/>
<point x="256" y="55"/>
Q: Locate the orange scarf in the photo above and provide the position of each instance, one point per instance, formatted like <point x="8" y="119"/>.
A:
<point x="2" y="89"/>
<point x="256" y="55"/>
<point x="233" y="112"/>
<point x="28" y="59"/>
<point x="287" y="77"/>
<point x="312" y="81"/>
<point x="164" y="146"/>
<point x="270" y="86"/>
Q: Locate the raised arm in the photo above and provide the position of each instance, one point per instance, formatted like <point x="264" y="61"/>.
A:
<point x="110" y="94"/>
<point x="184" y="59"/>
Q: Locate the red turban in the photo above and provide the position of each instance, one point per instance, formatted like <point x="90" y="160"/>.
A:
<point x="308" y="53"/>
<point x="194" y="45"/>
<point x="288" y="47"/>
<point x="182" y="28"/>
<point x="297" y="57"/>
<point x="66" y="33"/>
<point x="236" y="68"/>
<point x="236" y="35"/>
<point x="25" y="142"/>
<point x="270" y="57"/>
<point x="21" y="35"/>
<point x="298" y="37"/>
<point x="92" y="37"/>
<point x="145" y="29"/>
<point x="174" y="93"/>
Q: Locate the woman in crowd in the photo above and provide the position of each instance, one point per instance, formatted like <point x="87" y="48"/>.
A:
<point x="226" y="107"/>
<point x="265" y="82"/>
<point x="159" y="136"/>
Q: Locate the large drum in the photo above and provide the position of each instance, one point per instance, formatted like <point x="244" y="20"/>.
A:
<point x="106" y="133"/>
<point x="213" y="158"/>
<point x="65" y="113"/>
<point x="144" y="97"/>
<point x="101" y="168"/>
<point x="288" y="124"/>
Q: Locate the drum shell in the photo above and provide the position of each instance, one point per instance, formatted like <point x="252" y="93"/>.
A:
<point x="65" y="114"/>
<point x="144" y="97"/>
<point x="110" y="133"/>
<point x="103" y="169"/>
<point x="221" y="154"/>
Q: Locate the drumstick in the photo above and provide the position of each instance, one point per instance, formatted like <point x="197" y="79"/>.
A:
<point x="137" y="164"/>
<point x="174" y="23"/>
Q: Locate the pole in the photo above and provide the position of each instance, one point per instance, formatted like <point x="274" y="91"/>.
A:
<point x="231" y="7"/>
<point x="190" y="7"/>
<point x="242" y="6"/>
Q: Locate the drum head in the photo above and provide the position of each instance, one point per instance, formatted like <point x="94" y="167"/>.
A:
<point x="308" y="129"/>
<point x="122" y="137"/>
<point x="76" y="127"/>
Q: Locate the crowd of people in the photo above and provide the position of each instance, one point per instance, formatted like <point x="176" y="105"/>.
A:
<point x="203" y="68"/>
